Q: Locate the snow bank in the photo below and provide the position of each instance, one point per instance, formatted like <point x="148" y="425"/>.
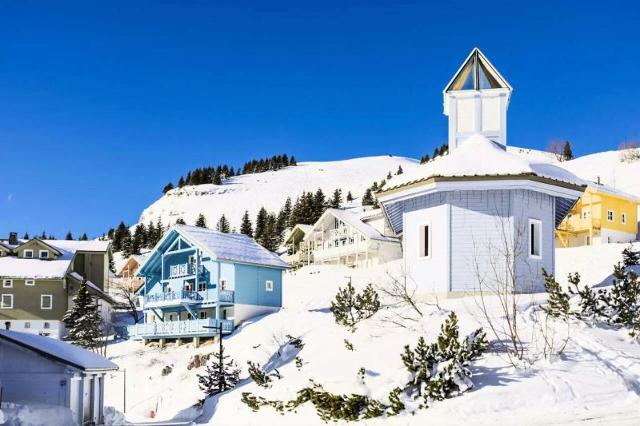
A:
<point x="35" y="415"/>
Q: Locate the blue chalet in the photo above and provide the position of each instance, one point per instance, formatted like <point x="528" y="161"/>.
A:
<point x="197" y="279"/>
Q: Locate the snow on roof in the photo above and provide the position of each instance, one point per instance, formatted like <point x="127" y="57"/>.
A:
<point x="234" y="247"/>
<point x="353" y="219"/>
<point x="60" y="351"/>
<point x="15" y="267"/>
<point x="72" y="246"/>
<point x="612" y="191"/>
<point x="478" y="156"/>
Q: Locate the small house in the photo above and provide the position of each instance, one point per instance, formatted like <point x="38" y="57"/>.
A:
<point x="197" y="280"/>
<point x="40" y="370"/>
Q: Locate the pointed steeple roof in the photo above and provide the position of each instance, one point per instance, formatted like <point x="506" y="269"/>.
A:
<point x="477" y="73"/>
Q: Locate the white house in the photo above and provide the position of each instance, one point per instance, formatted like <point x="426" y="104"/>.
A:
<point x="37" y="370"/>
<point x="343" y="237"/>
<point x="479" y="214"/>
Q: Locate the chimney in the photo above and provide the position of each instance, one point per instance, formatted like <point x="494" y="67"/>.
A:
<point x="13" y="238"/>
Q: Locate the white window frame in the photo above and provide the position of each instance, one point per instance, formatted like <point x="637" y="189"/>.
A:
<point x="29" y="282"/>
<point x="537" y="223"/>
<point x="421" y="240"/>
<point x="268" y="285"/>
<point x="610" y="213"/>
<point x="623" y="218"/>
<point x="42" y="299"/>
<point x="7" y="283"/>
<point x="24" y="254"/>
<point x="40" y="252"/>
<point x="223" y="284"/>
<point x="202" y="315"/>
<point x="2" y="303"/>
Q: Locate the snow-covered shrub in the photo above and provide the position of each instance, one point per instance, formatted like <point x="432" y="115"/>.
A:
<point x="259" y="376"/>
<point x="350" y="307"/>
<point x="439" y="370"/>
<point x="220" y="375"/>
<point x="558" y="300"/>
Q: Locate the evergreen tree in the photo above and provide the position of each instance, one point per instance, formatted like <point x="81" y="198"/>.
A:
<point x="180" y="221"/>
<point x="269" y="238"/>
<point x="567" y="153"/>
<point x="181" y="182"/>
<point x="557" y="300"/>
<point x="220" y="375"/>
<point x="389" y="175"/>
<point x="139" y="238"/>
<point x="84" y="237"/>
<point x="83" y="320"/>
<point x="25" y="236"/>
<point x="152" y="235"/>
<point x="168" y="187"/>
<point x="336" y="199"/>
<point x="43" y="236"/>
<point x="261" y="223"/>
<point x="350" y="307"/>
<point x="425" y="159"/>
<point x="400" y="171"/>
<point x="223" y="225"/>
<point x="367" y="199"/>
<point x="69" y="236"/>
<point x="349" y="197"/>
<point x="201" y="222"/>
<point x="319" y="204"/>
<point x="246" y="227"/>
<point x="630" y="257"/>
<point x="217" y="179"/>
<point x="119" y="236"/>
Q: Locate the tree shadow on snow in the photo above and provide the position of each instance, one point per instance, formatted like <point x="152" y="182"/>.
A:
<point x="490" y="376"/>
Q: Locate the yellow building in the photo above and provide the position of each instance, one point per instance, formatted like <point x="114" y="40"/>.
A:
<point x="602" y="215"/>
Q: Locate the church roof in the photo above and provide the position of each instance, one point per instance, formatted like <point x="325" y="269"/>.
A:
<point x="477" y="73"/>
<point x="478" y="157"/>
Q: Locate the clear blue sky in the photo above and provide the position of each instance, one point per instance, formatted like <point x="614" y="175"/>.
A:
<point x="101" y="105"/>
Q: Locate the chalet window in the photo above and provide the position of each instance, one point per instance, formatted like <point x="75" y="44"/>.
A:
<point x="7" y="283"/>
<point x="588" y="240"/>
<point x="623" y="218"/>
<point x="425" y="240"/>
<point x="6" y="301"/>
<point x="27" y="254"/>
<point x="586" y="213"/>
<point x="30" y="283"/>
<point x="202" y="286"/>
<point x="203" y="314"/>
<point x="44" y="254"/>
<point x="610" y="215"/>
<point x="46" y="325"/>
<point x="268" y="285"/>
<point x="535" y="238"/>
<point x="46" y="301"/>
<point x="27" y="324"/>
<point x="223" y="284"/>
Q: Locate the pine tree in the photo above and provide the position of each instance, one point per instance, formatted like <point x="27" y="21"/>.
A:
<point x="557" y="300"/>
<point x="180" y="221"/>
<point x="319" y="205"/>
<point x="400" y="171"/>
<point x="336" y="199"/>
<point x="181" y="182"/>
<point x="630" y="257"/>
<point x="25" y="236"/>
<point x="220" y="375"/>
<point x="367" y="199"/>
<point x="283" y="216"/>
<point x="139" y="238"/>
<point x="223" y="225"/>
<point x="69" y="236"/>
<point x="119" y="236"/>
<point x="261" y="222"/>
<point x="246" y="227"/>
<point x="83" y="319"/>
<point x="152" y="235"/>
<point x="567" y="153"/>
<point x="217" y="179"/>
<point x="84" y="237"/>
<point x="168" y="187"/>
<point x="201" y="222"/>
<point x="349" y="197"/>
<point x="269" y="238"/>
<point x="350" y="307"/>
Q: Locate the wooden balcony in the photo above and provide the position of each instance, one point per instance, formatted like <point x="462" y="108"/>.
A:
<point x="184" y="270"/>
<point x="174" y="329"/>
<point x="576" y="225"/>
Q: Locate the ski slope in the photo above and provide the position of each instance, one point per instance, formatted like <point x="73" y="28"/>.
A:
<point x="595" y="381"/>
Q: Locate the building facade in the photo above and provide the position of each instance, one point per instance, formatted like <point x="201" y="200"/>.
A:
<point x="479" y="218"/>
<point x="602" y="215"/>
<point x="39" y="278"/>
<point x="197" y="280"/>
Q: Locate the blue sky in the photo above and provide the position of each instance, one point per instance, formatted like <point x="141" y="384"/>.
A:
<point x="102" y="104"/>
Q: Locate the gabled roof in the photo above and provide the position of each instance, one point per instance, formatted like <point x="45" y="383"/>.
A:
<point x="237" y="248"/>
<point x="56" y="350"/>
<point x="606" y="189"/>
<point x="477" y="73"/>
<point x="38" y="241"/>
<point x="299" y="228"/>
<point x="353" y="220"/>
<point x="478" y="157"/>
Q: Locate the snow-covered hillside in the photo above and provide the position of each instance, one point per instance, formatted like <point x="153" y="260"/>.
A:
<point x="595" y="380"/>
<point x="271" y="189"/>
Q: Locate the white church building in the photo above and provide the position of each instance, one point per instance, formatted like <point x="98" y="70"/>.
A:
<point x="481" y="215"/>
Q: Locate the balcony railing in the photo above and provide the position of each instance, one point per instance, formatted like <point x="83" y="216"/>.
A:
<point x="174" y="329"/>
<point x="578" y="224"/>
<point x="172" y="297"/>
<point x="226" y="296"/>
<point x="184" y="270"/>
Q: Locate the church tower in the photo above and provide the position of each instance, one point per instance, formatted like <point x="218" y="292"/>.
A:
<point x="476" y="101"/>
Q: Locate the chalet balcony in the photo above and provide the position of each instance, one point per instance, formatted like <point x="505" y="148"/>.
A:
<point x="575" y="225"/>
<point x="184" y="297"/>
<point x="175" y="329"/>
<point x="184" y="270"/>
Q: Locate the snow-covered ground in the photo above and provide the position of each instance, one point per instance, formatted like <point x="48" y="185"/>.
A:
<point x="596" y="379"/>
<point x="271" y="189"/>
